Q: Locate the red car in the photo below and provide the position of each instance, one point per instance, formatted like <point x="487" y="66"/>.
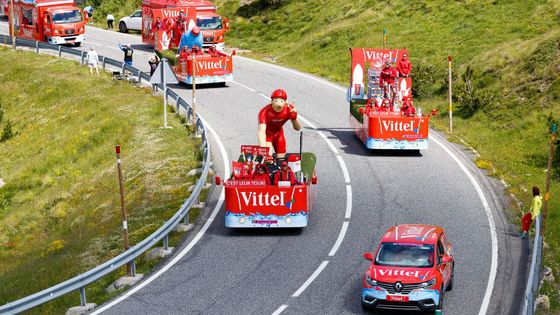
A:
<point x="412" y="268"/>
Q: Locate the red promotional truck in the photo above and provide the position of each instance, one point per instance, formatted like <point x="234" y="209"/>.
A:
<point x="52" y="21"/>
<point x="212" y="25"/>
<point x="206" y="66"/>
<point x="388" y="129"/>
<point x="258" y="203"/>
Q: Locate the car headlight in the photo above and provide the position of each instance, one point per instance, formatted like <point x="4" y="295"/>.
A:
<point x="428" y="284"/>
<point x="370" y="281"/>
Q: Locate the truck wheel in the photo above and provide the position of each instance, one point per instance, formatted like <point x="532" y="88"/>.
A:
<point x="122" y="27"/>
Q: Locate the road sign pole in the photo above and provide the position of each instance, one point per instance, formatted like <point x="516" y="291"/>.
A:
<point x="553" y="133"/>
<point x="123" y="208"/>
<point x="13" y="23"/>
<point x="164" y="61"/>
<point x="384" y="38"/>
<point x="449" y="58"/>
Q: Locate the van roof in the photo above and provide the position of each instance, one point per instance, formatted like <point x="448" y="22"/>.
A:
<point x="413" y="233"/>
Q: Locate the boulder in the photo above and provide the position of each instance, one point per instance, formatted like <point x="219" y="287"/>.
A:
<point x="123" y="282"/>
<point x="78" y="310"/>
<point x="548" y="275"/>
<point x="542" y="302"/>
<point x="158" y="252"/>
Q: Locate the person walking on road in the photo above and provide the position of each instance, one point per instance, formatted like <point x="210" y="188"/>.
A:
<point x="92" y="60"/>
<point x="110" y="20"/>
<point x="128" y="51"/>
<point x="533" y="213"/>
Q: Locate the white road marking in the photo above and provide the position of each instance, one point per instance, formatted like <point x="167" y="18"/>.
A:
<point x="340" y="238"/>
<point x="244" y="86"/>
<point x="344" y="169"/>
<point x="348" y="202"/>
<point x="311" y="279"/>
<point x="192" y="243"/>
<point x="331" y="146"/>
<point x="493" y="234"/>
<point x="280" y="309"/>
<point x="309" y="123"/>
<point x="267" y="97"/>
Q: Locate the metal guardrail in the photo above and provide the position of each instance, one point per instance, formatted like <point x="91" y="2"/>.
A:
<point x="532" y="289"/>
<point x="162" y="234"/>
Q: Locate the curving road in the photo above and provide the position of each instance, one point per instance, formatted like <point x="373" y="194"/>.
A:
<point x="359" y="195"/>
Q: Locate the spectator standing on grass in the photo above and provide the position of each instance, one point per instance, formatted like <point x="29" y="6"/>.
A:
<point x="128" y="51"/>
<point x="153" y="62"/>
<point x="110" y="20"/>
<point x="533" y="213"/>
<point x="92" y="60"/>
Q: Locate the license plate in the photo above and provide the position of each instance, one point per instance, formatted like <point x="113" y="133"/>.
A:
<point x="71" y="41"/>
<point x="397" y="298"/>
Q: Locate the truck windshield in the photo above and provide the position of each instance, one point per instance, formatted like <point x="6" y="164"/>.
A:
<point x="209" y="23"/>
<point x="61" y="17"/>
<point x="405" y="255"/>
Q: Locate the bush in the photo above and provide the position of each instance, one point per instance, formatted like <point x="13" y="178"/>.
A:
<point x="169" y="54"/>
<point x="469" y="93"/>
<point x="7" y="132"/>
<point x="426" y="80"/>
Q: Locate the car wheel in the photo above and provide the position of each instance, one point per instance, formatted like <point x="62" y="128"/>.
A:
<point x="450" y="284"/>
<point x="440" y="305"/>
<point x="366" y="307"/>
<point x="122" y="27"/>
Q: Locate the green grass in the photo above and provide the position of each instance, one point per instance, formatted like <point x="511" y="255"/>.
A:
<point x="118" y="8"/>
<point x="59" y="210"/>
<point x="512" y="48"/>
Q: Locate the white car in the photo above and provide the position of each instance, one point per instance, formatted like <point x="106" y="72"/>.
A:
<point x="132" y="22"/>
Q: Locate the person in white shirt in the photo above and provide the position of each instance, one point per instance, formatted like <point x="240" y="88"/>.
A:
<point x="92" y="60"/>
<point x="110" y="19"/>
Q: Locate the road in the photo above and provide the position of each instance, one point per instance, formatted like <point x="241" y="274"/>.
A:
<point x="359" y="195"/>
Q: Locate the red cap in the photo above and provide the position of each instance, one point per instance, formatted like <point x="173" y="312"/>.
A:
<point x="195" y="30"/>
<point x="284" y="163"/>
<point x="279" y="93"/>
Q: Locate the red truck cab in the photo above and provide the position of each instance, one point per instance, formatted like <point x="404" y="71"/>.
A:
<point x="52" y="21"/>
<point x="213" y="25"/>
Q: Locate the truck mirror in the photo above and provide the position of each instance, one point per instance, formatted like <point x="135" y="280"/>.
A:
<point x="234" y="52"/>
<point x="45" y="20"/>
<point x="368" y="256"/>
<point x="434" y="112"/>
<point x="218" y="180"/>
<point x="314" y="180"/>
<point x="226" y="24"/>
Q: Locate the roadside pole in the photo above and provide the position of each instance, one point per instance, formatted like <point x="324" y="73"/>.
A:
<point x="193" y="92"/>
<point x="163" y="61"/>
<point x="553" y="133"/>
<point x="384" y="38"/>
<point x="12" y="22"/>
<point x="123" y="209"/>
<point x="449" y="58"/>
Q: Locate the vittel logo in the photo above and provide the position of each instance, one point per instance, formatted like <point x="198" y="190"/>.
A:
<point x="170" y="13"/>
<point x="391" y="125"/>
<point x="258" y="200"/>
<point x="401" y="273"/>
<point x="371" y="55"/>
<point x="210" y="65"/>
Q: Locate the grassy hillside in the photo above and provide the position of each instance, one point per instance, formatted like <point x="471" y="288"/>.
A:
<point x="118" y="8"/>
<point x="59" y="209"/>
<point x="506" y="66"/>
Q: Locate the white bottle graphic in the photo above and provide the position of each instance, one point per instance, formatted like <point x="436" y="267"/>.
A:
<point x="357" y="88"/>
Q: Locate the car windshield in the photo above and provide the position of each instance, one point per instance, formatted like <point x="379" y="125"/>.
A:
<point x="405" y="255"/>
<point x="61" y="17"/>
<point x="209" y="23"/>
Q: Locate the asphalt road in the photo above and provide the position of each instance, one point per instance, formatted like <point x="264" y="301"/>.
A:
<point x="359" y="195"/>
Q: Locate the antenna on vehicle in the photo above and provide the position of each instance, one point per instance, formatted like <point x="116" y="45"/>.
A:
<point x="300" y="143"/>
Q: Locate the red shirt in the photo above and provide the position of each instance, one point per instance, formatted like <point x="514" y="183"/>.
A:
<point x="273" y="120"/>
<point x="263" y="176"/>
<point x="407" y="109"/>
<point x="404" y="66"/>
<point x="285" y="176"/>
<point x="388" y="75"/>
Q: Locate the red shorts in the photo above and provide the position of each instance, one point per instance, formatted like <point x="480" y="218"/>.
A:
<point x="278" y="141"/>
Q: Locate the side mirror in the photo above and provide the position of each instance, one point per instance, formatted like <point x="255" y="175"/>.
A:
<point x="218" y="180"/>
<point x="445" y="259"/>
<point x="368" y="256"/>
<point x="226" y="24"/>
<point x="314" y="180"/>
<point x="45" y="20"/>
<point x="234" y="52"/>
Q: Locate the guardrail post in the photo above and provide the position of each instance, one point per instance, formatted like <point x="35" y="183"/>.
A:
<point x="166" y="242"/>
<point x="177" y="106"/>
<point x="122" y="68"/>
<point x="186" y="219"/>
<point x="83" y="57"/>
<point x="139" y="78"/>
<point x="83" y="296"/>
<point x="59" y="51"/>
<point x="37" y="46"/>
<point x="104" y="63"/>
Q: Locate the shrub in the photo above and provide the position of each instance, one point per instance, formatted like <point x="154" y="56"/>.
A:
<point x="469" y="93"/>
<point x="7" y="132"/>
<point x="169" y="54"/>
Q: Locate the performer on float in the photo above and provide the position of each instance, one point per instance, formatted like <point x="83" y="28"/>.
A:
<point x="407" y="109"/>
<point x="191" y="38"/>
<point x="387" y="80"/>
<point x="404" y="66"/>
<point x="272" y="118"/>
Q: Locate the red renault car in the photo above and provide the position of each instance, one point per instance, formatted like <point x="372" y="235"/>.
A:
<point x="412" y="268"/>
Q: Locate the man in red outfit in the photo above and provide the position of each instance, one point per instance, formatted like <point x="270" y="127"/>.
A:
<point x="272" y="118"/>
<point x="386" y="106"/>
<point x="262" y="173"/>
<point x="387" y="79"/>
<point x="285" y="174"/>
<point x="407" y="109"/>
<point x="404" y="66"/>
